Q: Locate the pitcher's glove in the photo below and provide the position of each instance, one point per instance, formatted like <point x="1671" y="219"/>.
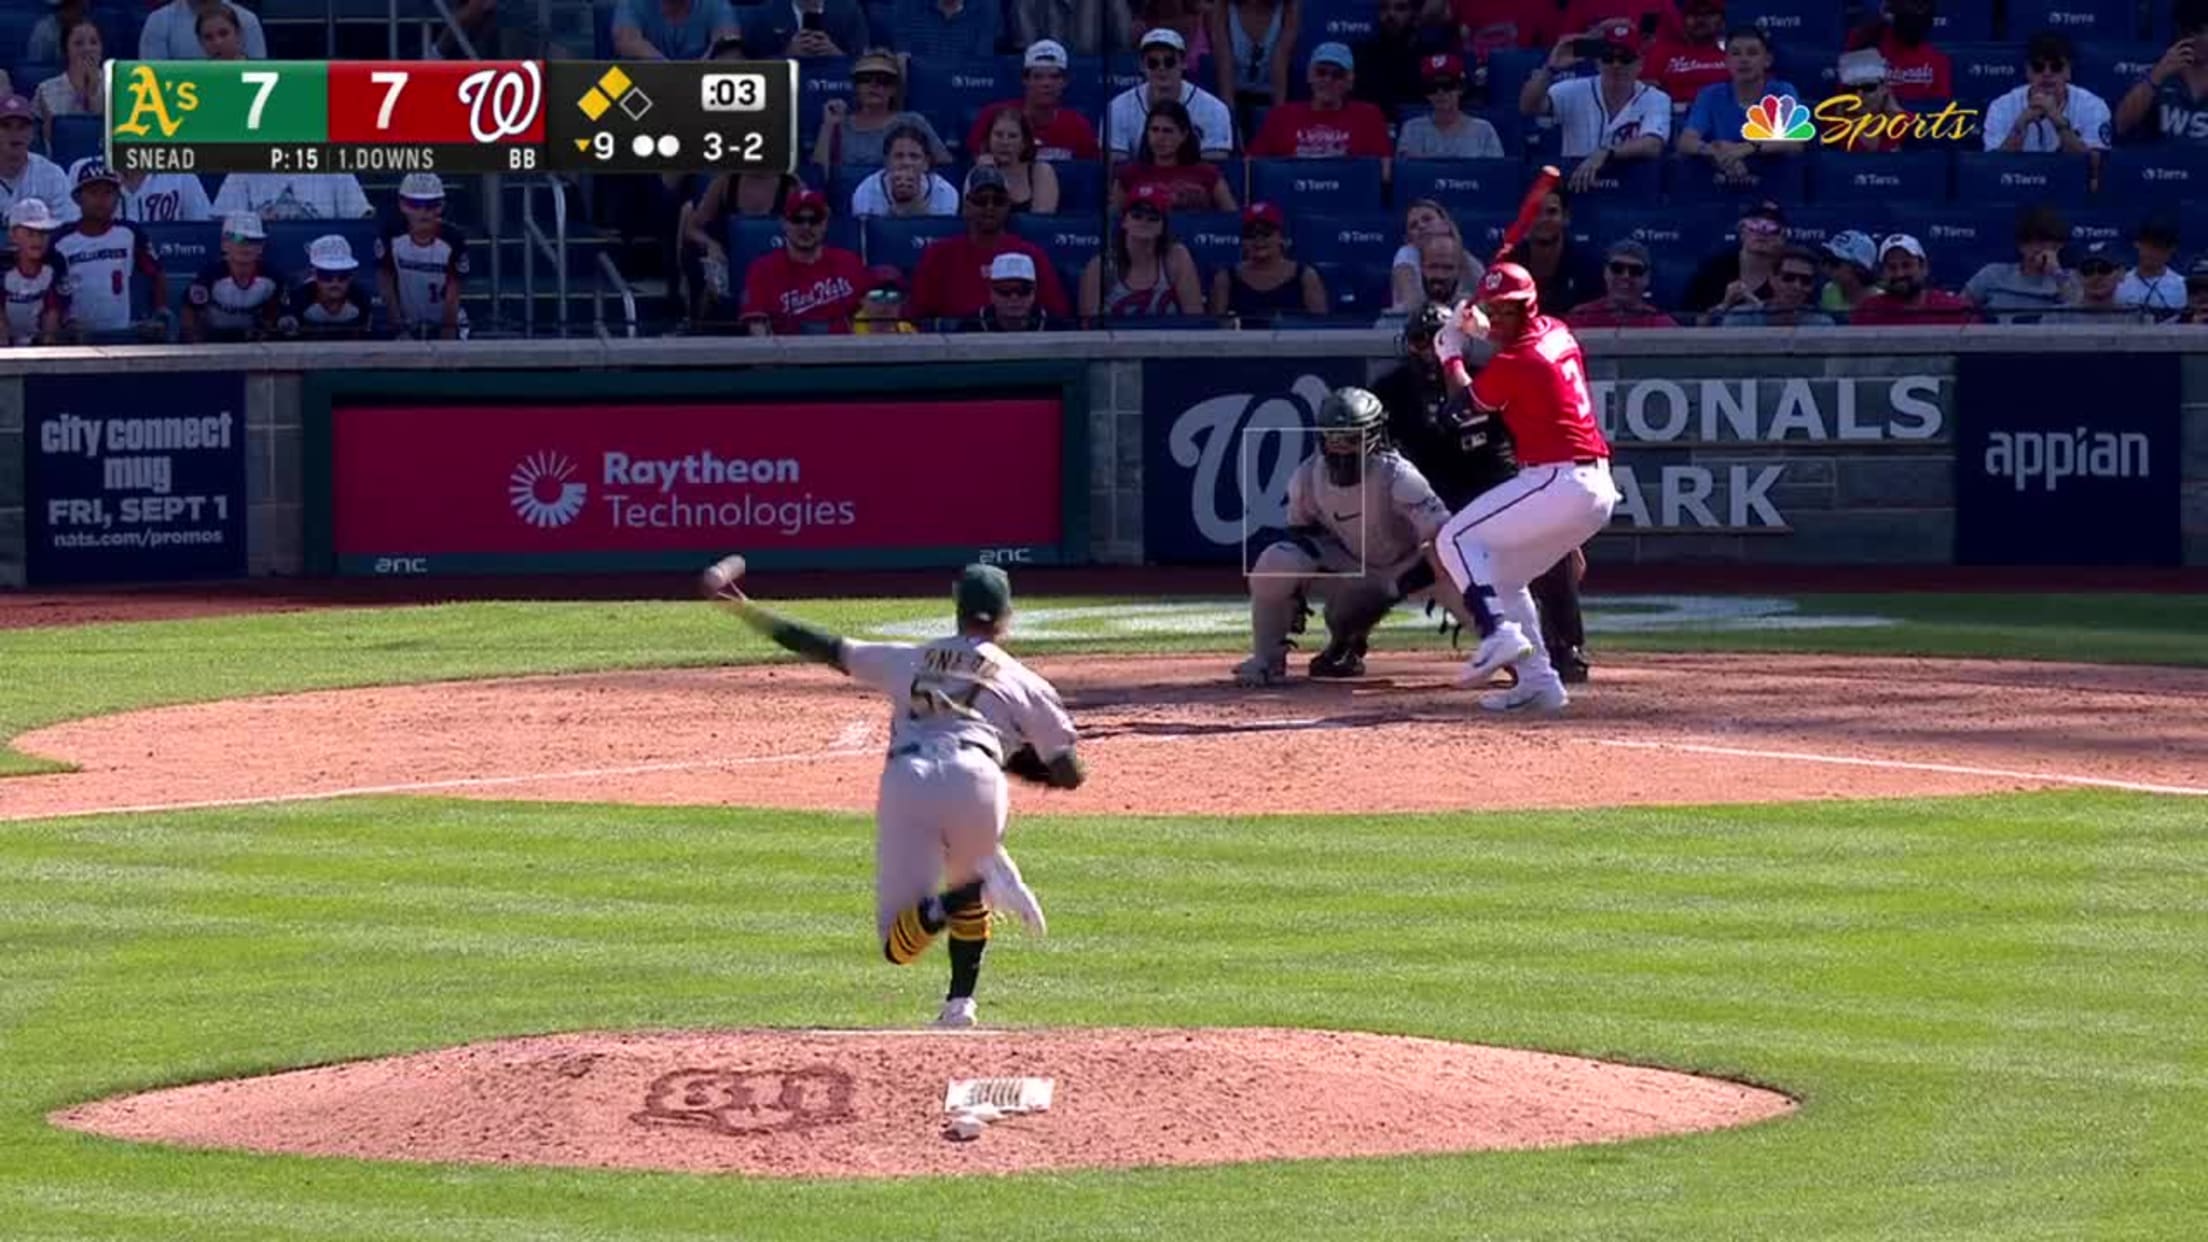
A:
<point x="1028" y="766"/>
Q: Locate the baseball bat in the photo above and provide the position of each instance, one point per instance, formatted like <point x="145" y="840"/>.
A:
<point x="1529" y="210"/>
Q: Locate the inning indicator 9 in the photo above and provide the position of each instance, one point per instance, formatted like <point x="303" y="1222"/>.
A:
<point x="451" y="116"/>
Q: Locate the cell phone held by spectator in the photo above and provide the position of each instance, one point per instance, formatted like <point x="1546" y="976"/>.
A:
<point x="810" y="19"/>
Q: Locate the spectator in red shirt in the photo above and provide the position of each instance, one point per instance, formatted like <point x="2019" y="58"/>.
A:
<point x="1331" y="125"/>
<point x="1170" y="160"/>
<point x="805" y="284"/>
<point x="1060" y="132"/>
<point x="1490" y="24"/>
<point x="952" y="279"/>
<point x="1681" y="64"/>
<point x="1907" y="297"/>
<point x="1915" y="70"/>
<point x="1624" y="303"/>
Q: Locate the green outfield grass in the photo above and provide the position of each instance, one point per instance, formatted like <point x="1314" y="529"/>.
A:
<point x="1995" y="1010"/>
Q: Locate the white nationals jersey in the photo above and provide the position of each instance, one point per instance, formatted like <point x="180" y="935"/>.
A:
<point x="29" y="297"/>
<point x="422" y="270"/>
<point x="234" y="307"/>
<point x="962" y="690"/>
<point x="1386" y="516"/>
<point x="164" y="198"/>
<point x="102" y="266"/>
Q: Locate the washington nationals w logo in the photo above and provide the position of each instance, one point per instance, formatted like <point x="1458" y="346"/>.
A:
<point x="510" y="99"/>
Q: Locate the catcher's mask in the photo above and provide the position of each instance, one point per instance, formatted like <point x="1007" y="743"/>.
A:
<point x="1352" y="425"/>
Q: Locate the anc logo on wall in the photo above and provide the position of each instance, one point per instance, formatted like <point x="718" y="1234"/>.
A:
<point x="1847" y="121"/>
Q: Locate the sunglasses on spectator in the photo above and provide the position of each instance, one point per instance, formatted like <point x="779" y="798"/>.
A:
<point x="2049" y="66"/>
<point x="874" y="79"/>
<point x="1759" y="225"/>
<point x="332" y="278"/>
<point x="1619" y="268"/>
<point x="1444" y="84"/>
<point x="1805" y="279"/>
<point x="1619" y="56"/>
<point x="1329" y="71"/>
<point x="888" y="293"/>
<point x="422" y="204"/>
<point x="1013" y="289"/>
<point x="1167" y="61"/>
<point x="808" y="220"/>
<point x="242" y="240"/>
<point x="1143" y="211"/>
<point x="2096" y="267"/>
<point x="1260" y="230"/>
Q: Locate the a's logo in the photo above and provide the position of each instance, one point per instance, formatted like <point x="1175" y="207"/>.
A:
<point x="511" y="99"/>
<point x="544" y="490"/>
<point x="1778" y="118"/>
<point x="148" y="100"/>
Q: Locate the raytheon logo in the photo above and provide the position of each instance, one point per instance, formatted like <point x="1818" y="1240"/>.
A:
<point x="544" y="490"/>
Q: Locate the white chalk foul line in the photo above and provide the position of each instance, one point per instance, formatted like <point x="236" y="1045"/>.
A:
<point x="1952" y="769"/>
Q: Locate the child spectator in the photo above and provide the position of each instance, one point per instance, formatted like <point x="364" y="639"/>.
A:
<point x="805" y="283"/>
<point x="1060" y="132"/>
<point x="1447" y="133"/>
<point x="221" y="33"/>
<point x="422" y="263"/>
<point x="332" y="305"/>
<point x="237" y="297"/>
<point x="104" y="257"/>
<point x="160" y="198"/>
<point x="882" y="311"/>
<point x="37" y="282"/>
<point x="2151" y="285"/>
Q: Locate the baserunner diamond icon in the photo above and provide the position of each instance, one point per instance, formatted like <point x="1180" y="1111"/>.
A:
<point x="636" y="103"/>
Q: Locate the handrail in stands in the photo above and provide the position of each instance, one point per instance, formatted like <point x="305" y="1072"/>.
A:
<point x="553" y="248"/>
<point x="607" y="270"/>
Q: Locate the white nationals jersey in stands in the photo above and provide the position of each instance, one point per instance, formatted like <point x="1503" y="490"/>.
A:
<point x="962" y="690"/>
<point x="422" y="270"/>
<point x="29" y="297"/>
<point x="163" y="198"/>
<point x="349" y="318"/>
<point x="232" y="307"/>
<point x="294" y="196"/>
<point x="1384" y="517"/>
<point x="102" y="265"/>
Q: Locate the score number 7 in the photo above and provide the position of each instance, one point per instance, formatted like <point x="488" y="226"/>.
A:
<point x="264" y="84"/>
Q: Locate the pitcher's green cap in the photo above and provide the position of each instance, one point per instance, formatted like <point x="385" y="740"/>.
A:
<point x="982" y="592"/>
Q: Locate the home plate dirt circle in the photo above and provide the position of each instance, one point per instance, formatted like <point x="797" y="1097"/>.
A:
<point x="783" y="1103"/>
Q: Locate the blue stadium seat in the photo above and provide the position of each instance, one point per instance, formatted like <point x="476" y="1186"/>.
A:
<point x="1345" y="21"/>
<point x="1080" y="185"/>
<point x="1462" y="185"/>
<point x="750" y="237"/>
<point x="2108" y="67"/>
<point x="183" y="249"/>
<point x="1485" y="236"/>
<point x="1802" y="31"/>
<point x="1781" y="177"/>
<point x="1984" y="70"/>
<point x="818" y="81"/>
<point x="2011" y="177"/>
<point x="1961" y="21"/>
<point x="1960" y="240"/>
<point x="1328" y="186"/>
<point x="1121" y="71"/>
<point x="1632" y="181"/>
<point x="2159" y="176"/>
<point x="1213" y="238"/>
<point x="1814" y="225"/>
<point x="1900" y="176"/>
<point x="2104" y="224"/>
<point x="287" y="243"/>
<point x="899" y="241"/>
<point x="1085" y="89"/>
<point x="1354" y="289"/>
<point x="2083" y="21"/>
<point x="76" y="137"/>
<point x="952" y="95"/>
<point x="1507" y="71"/>
<point x="1369" y="239"/>
<point x="1672" y="236"/>
<point x="1069" y="241"/>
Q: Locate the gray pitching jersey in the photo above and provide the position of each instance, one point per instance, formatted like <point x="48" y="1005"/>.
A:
<point x="1387" y="515"/>
<point x="962" y="689"/>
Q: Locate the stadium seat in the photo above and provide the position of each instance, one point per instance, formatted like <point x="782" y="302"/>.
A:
<point x="1213" y="238"/>
<point x="952" y="95"/>
<point x="1369" y="240"/>
<point x="1633" y="181"/>
<point x="1080" y="185"/>
<point x="1121" y="71"/>
<point x="2011" y="177"/>
<point x="1681" y="236"/>
<point x="1353" y="289"/>
<point x="287" y="243"/>
<point x="2108" y="67"/>
<point x="899" y="240"/>
<point x="749" y="237"/>
<point x="1328" y="186"/>
<point x="1781" y="177"/>
<point x="1815" y="225"/>
<point x="1345" y="21"/>
<point x="1961" y="21"/>
<point x="76" y="137"/>
<point x="1960" y="240"/>
<point x="185" y="248"/>
<point x="2104" y="224"/>
<point x="1462" y="185"/>
<point x="818" y="81"/>
<point x="1086" y="91"/>
<point x="1900" y="176"/>
<point x="1484" y="235"/>
<point x="1802" y="31"/>
<point x="1507" y="71"/>
<point x="1069" y="241"/>
<point x="1984" y="71"/>
<point x="2083" y="21"/>
<point x="2154" y="176"/>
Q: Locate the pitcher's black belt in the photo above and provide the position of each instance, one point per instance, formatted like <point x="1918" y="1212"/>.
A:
<point x="914" y="748"/>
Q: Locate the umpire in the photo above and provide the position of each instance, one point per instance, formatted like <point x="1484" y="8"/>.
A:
<point x="1464" y="452"/>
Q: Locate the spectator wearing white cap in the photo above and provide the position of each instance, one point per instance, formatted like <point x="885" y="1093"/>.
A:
<point x="294" y="196"/>
<point x="1012" y="306"/>
<point x="37" y="282"/>
<point x="23" y="172"/>
<point x="1331" y="125"/>
<point x="1126" y="120"/>
<point x="238" y="296"/>
<point x="171" y="32"/>
<point x="1907" y="296"/>
<point x="1253" y="47"/>
<point x="332" y="305"/>
<point x="1060" y="132"/>
<point x="1073" y="24"/>
<point x="108" y="259"/>
<point x="421" y="263"/>
<point x="1850" y="263"/>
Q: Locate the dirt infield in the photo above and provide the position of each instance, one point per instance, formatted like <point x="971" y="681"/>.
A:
<point x="1172" y="735"/>
<point x="871" y="1104"/>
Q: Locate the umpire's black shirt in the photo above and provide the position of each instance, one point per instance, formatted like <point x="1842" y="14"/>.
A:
<point x="1461" y="450"/>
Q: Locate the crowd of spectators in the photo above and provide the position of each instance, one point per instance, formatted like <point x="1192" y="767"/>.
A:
<point x="1242" y="162"/>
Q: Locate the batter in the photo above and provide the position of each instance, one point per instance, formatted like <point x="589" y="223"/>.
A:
<point x="963" y="713"/>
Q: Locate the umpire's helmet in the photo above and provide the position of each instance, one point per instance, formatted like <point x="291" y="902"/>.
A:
<point x="1352" y="424"/>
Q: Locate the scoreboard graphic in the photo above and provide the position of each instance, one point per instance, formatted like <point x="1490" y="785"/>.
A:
<point x="451" y="116"/>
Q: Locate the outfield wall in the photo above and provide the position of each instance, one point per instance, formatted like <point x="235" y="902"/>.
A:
<point x="1992" y="445"/>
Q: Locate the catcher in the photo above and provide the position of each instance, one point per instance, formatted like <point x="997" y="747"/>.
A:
<point x="1359" y="517"/>
<point x="963" y="714"/>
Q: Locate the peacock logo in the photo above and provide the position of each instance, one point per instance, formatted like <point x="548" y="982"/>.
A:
<point x="544" y="490"/>
<point x="1777" y="118"/>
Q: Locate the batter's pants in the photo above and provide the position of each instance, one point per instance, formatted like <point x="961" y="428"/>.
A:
<point x="1509" y="535"/>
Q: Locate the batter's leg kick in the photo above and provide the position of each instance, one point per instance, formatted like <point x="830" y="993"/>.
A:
<point x="1497" y="545"/>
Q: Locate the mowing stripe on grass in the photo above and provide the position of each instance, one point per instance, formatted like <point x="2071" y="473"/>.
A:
<point x="1951" y="769"/>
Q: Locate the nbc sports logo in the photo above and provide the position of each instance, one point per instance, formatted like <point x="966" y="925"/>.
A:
<point x="544" y="490"/>
<point x="1777" y="118"/>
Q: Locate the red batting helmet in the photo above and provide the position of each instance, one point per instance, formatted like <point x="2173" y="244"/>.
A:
<point x="1508" y="282"/>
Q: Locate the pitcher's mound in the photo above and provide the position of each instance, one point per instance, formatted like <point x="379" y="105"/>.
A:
<point x="871" y="1103"/>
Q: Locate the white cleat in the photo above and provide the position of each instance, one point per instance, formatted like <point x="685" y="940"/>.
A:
<point x="1501" y="649"/>
<point x="1528" y="696"/>
<point x="957" y="1014"/>
<point x="1003" y="889"/>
